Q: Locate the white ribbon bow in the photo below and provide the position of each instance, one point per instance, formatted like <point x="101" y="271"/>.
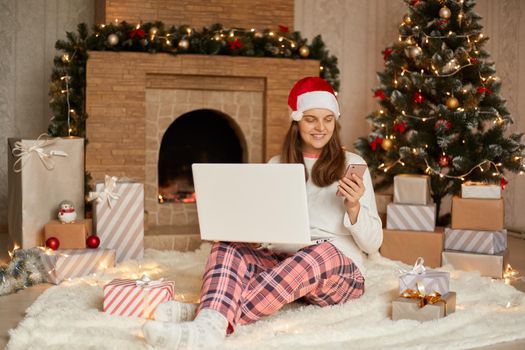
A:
<point x="22" y="152"/>
<point x="418" y="268"/>
<point x="145" y="281"/>
<point x="110" y="186"/>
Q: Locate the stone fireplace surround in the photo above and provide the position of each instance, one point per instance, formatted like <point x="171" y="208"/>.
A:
<point x="132" y="98"/>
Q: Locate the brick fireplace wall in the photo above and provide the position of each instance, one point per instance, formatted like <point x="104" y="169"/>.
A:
<point x="127" y="118"/>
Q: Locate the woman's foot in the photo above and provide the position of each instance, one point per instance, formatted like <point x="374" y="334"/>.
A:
<point x="175" y="311"/>
<point x="207" y="331"/>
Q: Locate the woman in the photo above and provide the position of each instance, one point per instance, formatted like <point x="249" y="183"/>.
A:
<point x="243" y="283"/>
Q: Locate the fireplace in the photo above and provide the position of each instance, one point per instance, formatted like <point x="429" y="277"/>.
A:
<point x="200" y="136"/>
<point x="136" y="102"/>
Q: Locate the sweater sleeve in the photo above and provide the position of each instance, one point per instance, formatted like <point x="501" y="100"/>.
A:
<point x="367" y="230"/>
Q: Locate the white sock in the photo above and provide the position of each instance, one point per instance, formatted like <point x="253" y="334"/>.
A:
<point x="208" y="330"/>
<point x="175" y="311"/>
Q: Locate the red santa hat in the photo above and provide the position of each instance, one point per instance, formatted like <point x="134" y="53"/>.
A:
<point x="311" y="92"/>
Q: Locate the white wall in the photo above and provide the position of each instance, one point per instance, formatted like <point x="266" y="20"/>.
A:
<point x="29" y="30"/>
<point x="357" y="31"/>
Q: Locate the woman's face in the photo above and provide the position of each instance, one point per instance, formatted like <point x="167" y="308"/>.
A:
<point x="316" y="128"/>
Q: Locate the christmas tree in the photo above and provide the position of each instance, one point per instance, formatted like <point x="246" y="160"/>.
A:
<point x="441" y="113"/>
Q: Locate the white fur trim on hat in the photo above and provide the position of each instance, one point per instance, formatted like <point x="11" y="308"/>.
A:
<point x="315" y="99"/>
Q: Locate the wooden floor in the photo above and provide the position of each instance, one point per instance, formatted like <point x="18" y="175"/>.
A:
<point x="12" y="307"/>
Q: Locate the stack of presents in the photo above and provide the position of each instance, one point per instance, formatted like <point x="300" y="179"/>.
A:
<point x="46" y="213"/>
<point x="475" y="241"/>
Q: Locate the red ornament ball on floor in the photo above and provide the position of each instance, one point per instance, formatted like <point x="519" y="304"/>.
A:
<point x="52" y="243"/>
<point x="92" y="242"/>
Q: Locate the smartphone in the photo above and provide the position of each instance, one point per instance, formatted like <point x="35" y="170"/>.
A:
<point x="358" y="169"/>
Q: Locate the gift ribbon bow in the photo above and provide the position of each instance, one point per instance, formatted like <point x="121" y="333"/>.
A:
<point x="145" y="281"/>
<point x="22" y="152"/>
<point x="109" y="192"/>
<point x="422" y="297"/>
<point x="418" y="268"/>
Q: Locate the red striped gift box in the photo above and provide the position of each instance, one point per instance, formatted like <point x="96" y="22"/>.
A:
<point x="120" y="226"/>
<point x="126" y="297"/>
<point x="70" y="263"/>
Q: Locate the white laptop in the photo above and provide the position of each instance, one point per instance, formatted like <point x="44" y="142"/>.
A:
<point x="258" y="203"/>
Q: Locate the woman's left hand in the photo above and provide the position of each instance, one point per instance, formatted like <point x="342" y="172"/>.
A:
<point x="352" y="190"/>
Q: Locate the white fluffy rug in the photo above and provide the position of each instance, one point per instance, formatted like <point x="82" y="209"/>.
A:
<point x="69" y="316"/>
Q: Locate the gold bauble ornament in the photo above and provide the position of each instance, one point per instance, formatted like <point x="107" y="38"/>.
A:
<point x="113" y="39"/>
<point x="445" y="12"/>
<point x="304" y="51"/>
<point x="387" y="144"/>
<point x="184" y="44"/>
<point x="153" y="31"/>
<point x="452" y="102"/>
<point x="407" y="19"/>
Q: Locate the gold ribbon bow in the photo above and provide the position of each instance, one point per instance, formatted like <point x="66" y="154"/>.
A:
<point x="422" y="297"/>
<point x="109" y="192"/>
<point x="22" y="152"/>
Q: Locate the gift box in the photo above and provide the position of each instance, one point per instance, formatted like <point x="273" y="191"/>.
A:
<point x="487" y="242"/>
<point x="487" y="265"/>
<point x="410" y="308"/>
<point x="432" y="280"/>
<point x="119" y="217"/>
<point x="41" y="174"/>
<point x="70" y="236"/>
<point x="477" y="214"/>
<point x="407" y="246"/>
<point x="139" y="298"/>
<point x="411" y="217"/>
<point x="412" y="189"/>
<point x="71" y="263"/>
<point x="480" y="190"/>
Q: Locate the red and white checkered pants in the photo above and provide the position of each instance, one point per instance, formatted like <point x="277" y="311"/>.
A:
<point x="245" y="284"/>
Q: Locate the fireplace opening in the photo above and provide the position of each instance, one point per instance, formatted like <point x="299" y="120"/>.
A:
<point x="200" y="136"/>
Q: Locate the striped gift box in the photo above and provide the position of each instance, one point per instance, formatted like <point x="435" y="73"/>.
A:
<point x="433" y="280"/>
<point x="488" y="242"/>
<point x="70" y="263"/>
<point x="126" y="297"/>
<point x="121" y="225"/>
<point x="411" y="217"/>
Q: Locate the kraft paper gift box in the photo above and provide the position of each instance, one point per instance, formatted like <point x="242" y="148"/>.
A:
<point x="432" y="280"/>
<point x="42" y="173"/>
<point x="411" y="217"/>
<point x="486" y="242"/>
<point x="409" y="309"/>
<point x="70" y="263"/>
<point x="480" y="190"/>
<point x="412" y="189"/>
<point x="477" y="214"/>
<point x="139" y="298"/>
<point x="407" y="246"/>
<point x="70" y="236"/>
<point x="487" y="265"/>
<point x="119" y="217"/>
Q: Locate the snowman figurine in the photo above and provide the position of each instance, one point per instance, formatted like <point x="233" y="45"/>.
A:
<point x="67" y="213"/>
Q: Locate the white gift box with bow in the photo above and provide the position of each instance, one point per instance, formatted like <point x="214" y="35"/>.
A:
<point x="42" y="173"/>
<point x="432" y="280"/>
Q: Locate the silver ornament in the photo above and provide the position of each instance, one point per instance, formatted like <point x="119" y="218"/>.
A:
<point x="445" y="12"/>
<point x="413" y="52"/>
<point x="112" y="39"/>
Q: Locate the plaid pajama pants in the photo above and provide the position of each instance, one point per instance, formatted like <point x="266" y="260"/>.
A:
<point x="245" y="284"/>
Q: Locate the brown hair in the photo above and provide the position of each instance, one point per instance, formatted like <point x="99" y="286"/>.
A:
<point x="331" y="164"/>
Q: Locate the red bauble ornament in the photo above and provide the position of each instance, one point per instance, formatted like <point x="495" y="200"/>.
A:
<point x="236" y="44"/>
<point x="418" y="97"/>
<point x="503" y="183"/>
<point x="379" y="93"/>
<point x="52" y="243"/>
<point x="443" y="160"/>
<point x="400" y="126"/>
<point x="376" y="142"/>
<point x="473" y="60"/>
<point x="137" y="32"/>
<point x="283" y="28"/>
<point x="93" y="242"/>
